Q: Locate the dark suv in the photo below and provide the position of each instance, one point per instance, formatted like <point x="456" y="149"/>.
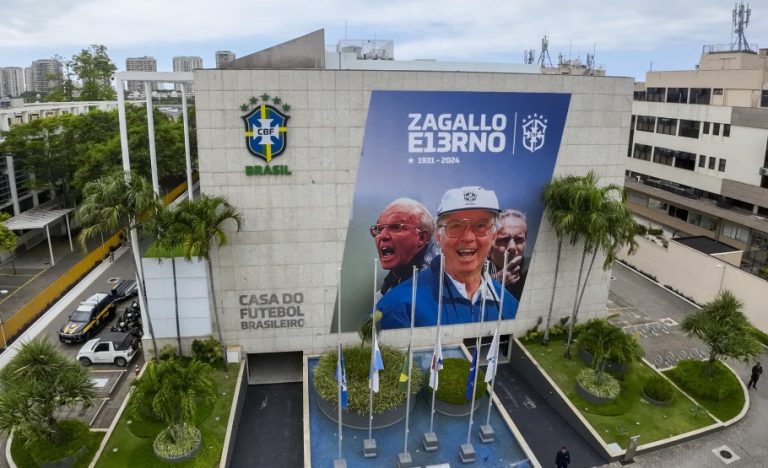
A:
<point x="88" y="318"/>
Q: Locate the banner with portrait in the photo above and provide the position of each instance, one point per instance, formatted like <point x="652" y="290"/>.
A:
<point x="420" y="144"/>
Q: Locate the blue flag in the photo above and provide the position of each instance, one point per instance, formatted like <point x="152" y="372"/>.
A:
<point x="341" y="378"/>
<point x="471" y="381"/>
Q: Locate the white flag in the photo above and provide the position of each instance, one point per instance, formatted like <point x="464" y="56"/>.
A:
<point x="436" y="366"/>
<point x="376" y="365"/>
<point x="493" y="356"/>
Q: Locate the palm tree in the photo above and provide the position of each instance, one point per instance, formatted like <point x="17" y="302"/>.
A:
<point x="721" y="324"/>
<point x="35" y="385"/>
<point x="115" y="201"/>
<point x="606" y="342"/>
<point x="556" y="198"/>
<point x="173" y="390"/>
<point x="197" y="226"/>
<point x="604" y="224"/>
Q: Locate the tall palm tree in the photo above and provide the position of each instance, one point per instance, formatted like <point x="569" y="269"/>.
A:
<point x="197" y="226"/>
<point x="35" y="385"/>
<point x="602" y="225"/>
<point x="557" y="199"/>
<point x="115" y="201"/>
<point x="606" y="342"/>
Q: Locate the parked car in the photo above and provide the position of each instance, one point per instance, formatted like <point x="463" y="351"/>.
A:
<point x="112" y="348"/>
<point x="88" y="318"/>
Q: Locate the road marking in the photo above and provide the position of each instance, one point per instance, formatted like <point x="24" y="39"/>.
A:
<point x="8" y="296"/>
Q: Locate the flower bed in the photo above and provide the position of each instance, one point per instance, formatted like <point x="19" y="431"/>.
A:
<point x="600" y="392"/>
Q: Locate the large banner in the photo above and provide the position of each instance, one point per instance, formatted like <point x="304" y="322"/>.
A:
<point x="467" y="150"/>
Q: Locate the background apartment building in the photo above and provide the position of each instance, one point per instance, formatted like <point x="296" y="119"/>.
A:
<point x="186" y="64"/>
<point x="223" y="57"/>
<point x="11" y="81"/>
<point x="144" y="64"/>
<point x="45" y="74"/>
<point x="698" y="154"/>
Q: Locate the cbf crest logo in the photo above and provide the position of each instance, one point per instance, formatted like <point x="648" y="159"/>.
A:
<point x="266" y="132"/>
<point x="534" y="129"/>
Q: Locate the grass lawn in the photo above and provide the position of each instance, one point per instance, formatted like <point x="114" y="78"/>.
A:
<point x="630" y="414"/>
<point x="80" y="436"/>
<point x="131" y="442"/>
<point x="692" y="377"/>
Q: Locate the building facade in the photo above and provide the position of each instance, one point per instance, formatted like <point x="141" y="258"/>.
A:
<point x="11" y="81"/>
<point x="186" y="64"/>
<point x="46" y="74"/>
<point x="277" y="281"/>
<point x="697" y="162"/>
<point x="143" y="64"/>
<point x="223" y="57"/>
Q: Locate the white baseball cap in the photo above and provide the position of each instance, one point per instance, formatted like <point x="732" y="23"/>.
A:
<point x="468" y="198"/>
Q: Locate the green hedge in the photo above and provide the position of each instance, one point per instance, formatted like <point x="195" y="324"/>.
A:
<point x="357" y="361"/>
<point x="760" y="335"/>
<point x="659" y="389"/>
<point x="75" y="435"/>
<point x="693" y="377"/>
<point x="452" y="386"/>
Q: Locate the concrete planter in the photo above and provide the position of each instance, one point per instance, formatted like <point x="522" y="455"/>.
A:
<point x="180" y="458"/>
<point x="655" y="402"/>
<point x="451" y="409"/>
<point x="594" y="399"/>
<point x="613" y="367"/>
<point x="360" y="421"/>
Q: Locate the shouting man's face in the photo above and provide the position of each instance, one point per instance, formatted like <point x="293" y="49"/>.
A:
<point x="399" y="237"/>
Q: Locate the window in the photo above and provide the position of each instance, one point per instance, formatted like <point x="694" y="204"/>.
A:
<point x="705" y="129"/>
<point x="684" y="160"/>
<point x="735" y="232"/>
<point x="656" y="94"/>
<point x="678" y="95"/>
<point x="642" y="152"/>
<point x="717" y="91"/>
<point x="639" y="96"/>
<point x="711" y="162"/>
<point x="667" y="126"/>
<point x="677" y="212"/>
<point x="726" y="130"/>
<point x="657" y="204"/>
<point x="721" y="167"/>
<point x="702" y="220"/>
<point x="663" y="156"/>
<point x="763" y="98"/>
<point x="699" y="96"/>
<point x="689" y="128"/>
<point x="715" y="129"/>
<point x="702" y="161"/>
<point x="637" y="198"/>
<point x="645" y="123"/>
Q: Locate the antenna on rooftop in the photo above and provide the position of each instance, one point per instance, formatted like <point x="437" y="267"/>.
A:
<point x="528" y="56"/>
<point x="741" y="16"/>
<point x="544" y="56"/>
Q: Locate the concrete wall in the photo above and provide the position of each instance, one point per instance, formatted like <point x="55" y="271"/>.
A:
<point x="294" y="227"/>
<point x="699" y="276"/>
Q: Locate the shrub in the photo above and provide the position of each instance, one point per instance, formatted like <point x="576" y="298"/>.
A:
<point x="188" y="438"/>
<point x="659" y="389"/>
<point x="606" y="387"/>
<point x="693" y="376"/>
<point x="357" y="361"/>
<point x="761" y="336"/>
<point x="207" y="351"/>
<point x="452" y="387"/>
<point x="168" y="352"/>
<point x="655" y="231"/>
<point x="640" y="229"/>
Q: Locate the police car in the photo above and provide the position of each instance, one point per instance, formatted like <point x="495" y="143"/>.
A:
<point x="88" y="318"/>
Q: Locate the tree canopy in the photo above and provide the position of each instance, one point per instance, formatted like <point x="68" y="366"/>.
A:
<point x="87" y="76"/>
<point x="724" y="328"/>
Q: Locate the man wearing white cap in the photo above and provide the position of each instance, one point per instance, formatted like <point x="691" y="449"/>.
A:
<point x="467" y="224"/>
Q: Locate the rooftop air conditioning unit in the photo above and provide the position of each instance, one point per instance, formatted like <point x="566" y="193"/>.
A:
<point x="763" y="171"/>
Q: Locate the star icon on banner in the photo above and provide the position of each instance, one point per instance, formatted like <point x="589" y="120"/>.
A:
<point x="410" y="160"/>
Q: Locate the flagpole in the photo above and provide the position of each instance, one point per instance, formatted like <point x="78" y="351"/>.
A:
<point x="369" y="445"/>
<point x="405" y="457"/>
<point x="487" y="430"/>
<point x="338" y="363"/>
<point x="477" y="350"/>
<point x="430" y="438"/>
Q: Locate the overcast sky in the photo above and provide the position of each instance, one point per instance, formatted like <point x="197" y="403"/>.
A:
<point x="628" y="40"/>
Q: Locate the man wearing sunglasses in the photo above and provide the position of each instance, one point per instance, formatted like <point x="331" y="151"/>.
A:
<point x="466" y="230"/>
<point x="402" y="235"/>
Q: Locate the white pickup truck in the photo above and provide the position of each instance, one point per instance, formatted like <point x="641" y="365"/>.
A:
<point x="111" y="348"/>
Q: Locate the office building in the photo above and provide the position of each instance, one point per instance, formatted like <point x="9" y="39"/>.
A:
<point x="11" y="81"/>
<point x="698" y="155"/>
<point x="186" y="64"/>
<point x="223" y="57"/>
<point x="143" y="64"/>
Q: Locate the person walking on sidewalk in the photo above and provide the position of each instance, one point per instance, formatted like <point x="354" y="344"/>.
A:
<point x="757" y="369"/>
<point x="563" y="458"/>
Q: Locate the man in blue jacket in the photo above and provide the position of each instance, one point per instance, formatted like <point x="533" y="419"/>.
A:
<point x="467" y="225"/>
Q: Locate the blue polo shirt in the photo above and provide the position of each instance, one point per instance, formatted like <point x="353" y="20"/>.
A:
<point x="395" y="306"/>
